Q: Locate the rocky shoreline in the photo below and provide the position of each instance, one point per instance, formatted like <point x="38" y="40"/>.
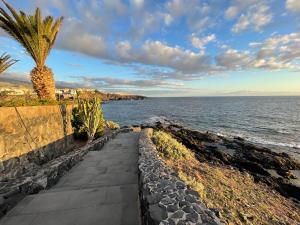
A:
<point x="278" y="170"/>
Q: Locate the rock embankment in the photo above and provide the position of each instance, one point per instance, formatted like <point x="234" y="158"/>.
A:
<point x="275" y="169"/>
<point x="165" y="199"/>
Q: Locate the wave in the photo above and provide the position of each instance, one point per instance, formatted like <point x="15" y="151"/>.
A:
<point x="281" y="144"/>
<point x="162" y="119"/>
<point x="283" y="131"/>
<point x="248" y="137"/>
<point x="295" y="145"/>
<point x="155" y="119"/>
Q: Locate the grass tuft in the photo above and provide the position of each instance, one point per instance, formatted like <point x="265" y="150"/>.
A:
<point x="168" y="147"/>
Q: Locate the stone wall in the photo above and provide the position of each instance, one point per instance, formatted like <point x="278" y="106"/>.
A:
<point x="165" y="199"/>
<point x="33" y="135"/>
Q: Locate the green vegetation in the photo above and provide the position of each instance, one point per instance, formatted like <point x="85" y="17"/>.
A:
<point x="234" y="194"/>
<point x="168" y="147"/>
<point x="88" y="120"/>
<point x="112" y="125"/>
<point x="28" y="100"/>
<point x="6" y="62"/>
<point x="37" y="35"/>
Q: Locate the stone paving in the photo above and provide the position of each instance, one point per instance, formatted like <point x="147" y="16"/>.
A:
<point x="102" y="190"/>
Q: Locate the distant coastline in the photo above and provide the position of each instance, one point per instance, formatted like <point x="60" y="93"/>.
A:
<point x="10" y="88"/>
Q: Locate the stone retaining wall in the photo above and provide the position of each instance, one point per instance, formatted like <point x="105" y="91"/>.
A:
<point x="165" y="199"/>
<point x="33" y="135"/>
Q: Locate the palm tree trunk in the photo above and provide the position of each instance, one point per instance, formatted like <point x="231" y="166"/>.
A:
<point x="43" y="83"/>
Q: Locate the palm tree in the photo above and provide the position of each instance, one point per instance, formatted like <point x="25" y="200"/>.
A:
<point x="37" y="35"/>
<point x="5" y="62"/>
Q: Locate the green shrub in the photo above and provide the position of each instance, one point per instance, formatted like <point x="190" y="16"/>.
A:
<point x="111" y="125"/>
<point x="77" y="124"/>
<point x="87" y="119"/>
<point x="168" y="147"/>
<point x="26" y="100"/>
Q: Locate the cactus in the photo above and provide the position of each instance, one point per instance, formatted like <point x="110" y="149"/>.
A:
<point x="91" y="115"/>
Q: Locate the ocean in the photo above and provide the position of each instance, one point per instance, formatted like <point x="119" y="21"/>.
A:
<point x="270" y="121"/>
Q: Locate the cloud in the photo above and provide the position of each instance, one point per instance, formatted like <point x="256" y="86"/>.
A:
<point x="293" y="5"/>
<point x="86" y="43"/>
<point x="238" y="6"/>
<point x="194" y="12"/>
<point x="181" y="7"/>
<point x="137" y="3"/>
<point x="231" y="12"/>
<point x="279" y="52"/>
<point x="115" y="5"/>
<point x="124" y="50"/>
<point x="174" y="62"/>
<point x="102" y="82"/>
<point x="256" y="18"/>
<point x="275" y="53"/>
<point x="168" y="19"/>
<point x="15" y="76"/>
<point x="200" y="43"/>
<point x="135" y="34"/>
<point x="158" y="53"/>
<point x="233" y="60"/>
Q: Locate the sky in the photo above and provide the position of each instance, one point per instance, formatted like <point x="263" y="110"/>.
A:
<point x="170" y="48"/>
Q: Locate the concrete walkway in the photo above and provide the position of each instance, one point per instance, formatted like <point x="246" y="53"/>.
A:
<point x="102" y="190"/>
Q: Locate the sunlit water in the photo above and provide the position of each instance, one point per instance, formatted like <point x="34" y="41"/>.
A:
<point x="272" y="121"/>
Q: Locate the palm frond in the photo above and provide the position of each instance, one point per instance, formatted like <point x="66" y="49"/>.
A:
<point x="35" y="33"/>
<point x="5" y="62"/>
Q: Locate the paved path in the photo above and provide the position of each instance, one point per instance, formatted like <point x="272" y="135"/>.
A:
<point x="102" y="190"/>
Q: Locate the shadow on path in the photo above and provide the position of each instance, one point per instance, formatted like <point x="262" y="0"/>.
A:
<point x="102" y="190"/>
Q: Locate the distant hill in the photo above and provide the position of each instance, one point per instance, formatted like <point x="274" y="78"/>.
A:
<point x="7" y="82"/>
<point x="24" y="84"/>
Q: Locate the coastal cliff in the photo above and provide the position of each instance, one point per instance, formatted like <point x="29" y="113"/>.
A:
<point x="117" y="97"/>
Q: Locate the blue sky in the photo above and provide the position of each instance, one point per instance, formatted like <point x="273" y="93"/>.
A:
<point x="171" y="48"/>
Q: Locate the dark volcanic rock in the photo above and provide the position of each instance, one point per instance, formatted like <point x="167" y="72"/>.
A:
<point x="252" y="167"/>
<point x="240" y="154"/>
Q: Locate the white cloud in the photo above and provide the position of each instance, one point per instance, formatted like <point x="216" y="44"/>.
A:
<point x="197" y="14"/>
<point x="180" y="7"/>
<point x="85" y="42"/>
<point x="168" y="19"/>
<point x="137" y="3"/>
<point x="279" y="52"/>
<point x="238" y="6"/>
<point x="201" y="42"/>
<point x="257" y="17"/>
<point x="94" y="32"/>
<point x="293" y="5"/>
<point x="124" y="50"/>
<point x="118" y="82"/>
<point x="275" y="53"/>
<point x="231" y="12"/>
<point x="158" y="53"/>
<point x="115" y="5"/>
<point x="233" y="60"/>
